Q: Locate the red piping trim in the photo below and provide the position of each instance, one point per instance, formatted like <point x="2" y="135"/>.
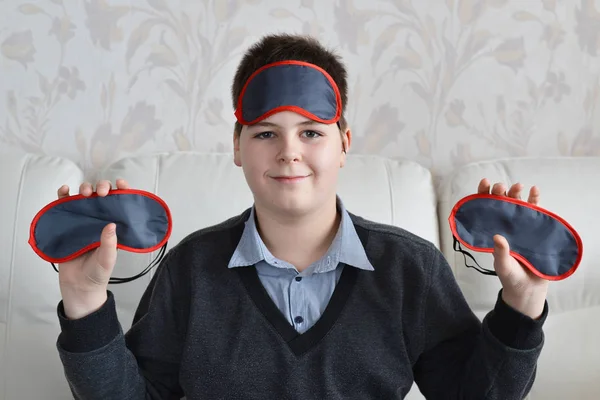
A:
<point x="94" y="245"/>
<point x="301" y="111"/>
<point x="452" y="222"/>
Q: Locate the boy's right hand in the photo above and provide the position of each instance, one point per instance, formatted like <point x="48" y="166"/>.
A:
<point x="84" y="280"/>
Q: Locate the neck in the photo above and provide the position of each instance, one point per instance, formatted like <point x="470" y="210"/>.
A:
<point x="299" y="240"/>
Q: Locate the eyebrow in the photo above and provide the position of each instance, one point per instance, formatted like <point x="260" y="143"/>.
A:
<point x="271" y="124"/>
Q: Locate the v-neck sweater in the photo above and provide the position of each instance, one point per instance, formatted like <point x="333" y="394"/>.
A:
<point x="205" y="331"/>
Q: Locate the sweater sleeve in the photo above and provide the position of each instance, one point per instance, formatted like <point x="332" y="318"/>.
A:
<point x="100" y="362"/>
<point x="464" y="358"/>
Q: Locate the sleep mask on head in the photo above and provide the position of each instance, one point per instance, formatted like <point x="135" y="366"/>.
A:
<point x="71" y="226"/>
<point x="542" y="241"/>
<point x="291" y="85"/>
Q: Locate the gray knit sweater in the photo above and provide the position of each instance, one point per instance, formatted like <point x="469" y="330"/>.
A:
<point x="205" y="331"/>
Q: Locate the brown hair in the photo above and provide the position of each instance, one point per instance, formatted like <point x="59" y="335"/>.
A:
<point x="281" y="47"/>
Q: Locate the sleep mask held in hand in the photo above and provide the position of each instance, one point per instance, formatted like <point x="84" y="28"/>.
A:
<point x="71" y="226"/>
<point x="541" y="240"/>
<point x="291" y="85"/>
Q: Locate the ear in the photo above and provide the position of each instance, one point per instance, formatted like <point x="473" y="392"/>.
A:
<point x="236" y="149"/>
<point x="346" y="142"/>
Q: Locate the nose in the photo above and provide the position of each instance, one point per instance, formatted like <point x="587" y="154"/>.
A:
<point x="289" y="151"/>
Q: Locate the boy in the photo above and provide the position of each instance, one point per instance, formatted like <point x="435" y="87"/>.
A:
<point x="296" y="298"/>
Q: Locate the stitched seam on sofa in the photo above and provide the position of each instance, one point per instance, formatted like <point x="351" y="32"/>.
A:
<point x="10" y="273"/>
<point x="389" y="179"/>
<point x="156" y="179"/>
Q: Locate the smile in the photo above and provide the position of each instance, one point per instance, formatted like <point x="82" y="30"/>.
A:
<point x="289" y="179"/>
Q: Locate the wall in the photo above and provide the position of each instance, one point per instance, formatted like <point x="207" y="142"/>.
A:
<point x="439" y="82"/>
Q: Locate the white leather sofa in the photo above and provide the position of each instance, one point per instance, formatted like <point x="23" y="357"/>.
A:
<point x="203" y="189"/>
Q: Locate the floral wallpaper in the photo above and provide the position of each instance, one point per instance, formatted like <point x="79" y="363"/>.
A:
<point x="440" y="82"/>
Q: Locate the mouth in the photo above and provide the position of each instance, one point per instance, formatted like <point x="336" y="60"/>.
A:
<point x="290" y="178"/>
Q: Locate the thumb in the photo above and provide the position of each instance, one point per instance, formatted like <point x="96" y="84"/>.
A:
<point x="501" y="253"/>
<point x="107" y="252"/>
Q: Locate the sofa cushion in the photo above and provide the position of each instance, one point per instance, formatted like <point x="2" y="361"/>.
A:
<point x="201" y="190"/>
<point x="29" y="291"/>
<point x="569" y="362"/>
<point x="204" y="189"/>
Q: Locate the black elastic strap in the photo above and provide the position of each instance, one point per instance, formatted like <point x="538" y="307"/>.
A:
<point x="154" y="263"/>
<point x="479" y="268"/>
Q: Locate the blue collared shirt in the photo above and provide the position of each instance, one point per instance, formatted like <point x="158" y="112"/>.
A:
<point x="301" y="296"/>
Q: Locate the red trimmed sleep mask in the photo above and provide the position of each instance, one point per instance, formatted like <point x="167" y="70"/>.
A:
<point x="71" y="226"/>
<point x="291" y="85"/>
<point x="541" y="240"/>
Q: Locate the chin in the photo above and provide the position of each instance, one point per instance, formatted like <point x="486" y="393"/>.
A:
<point x="292" y="205"/>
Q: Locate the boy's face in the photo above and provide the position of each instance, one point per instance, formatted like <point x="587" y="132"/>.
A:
<point x="291" y="163"/>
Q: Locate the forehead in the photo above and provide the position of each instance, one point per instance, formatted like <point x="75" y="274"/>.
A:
<point x="288" y="119"/>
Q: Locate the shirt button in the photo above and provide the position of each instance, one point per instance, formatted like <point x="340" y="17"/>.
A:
<point x="298" y="320"/>
<point x="298" y="278"/>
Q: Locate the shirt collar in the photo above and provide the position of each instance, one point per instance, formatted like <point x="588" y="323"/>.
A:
<point x="346" y="247"/>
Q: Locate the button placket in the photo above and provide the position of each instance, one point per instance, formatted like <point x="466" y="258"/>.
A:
<point x="296" y="308"/>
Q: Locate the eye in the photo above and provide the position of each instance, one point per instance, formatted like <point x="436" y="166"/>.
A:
<point x="264" y="135"/>
<point x="311" y="134"/>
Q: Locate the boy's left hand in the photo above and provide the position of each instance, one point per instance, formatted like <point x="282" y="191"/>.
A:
<point x="522" y="290"/>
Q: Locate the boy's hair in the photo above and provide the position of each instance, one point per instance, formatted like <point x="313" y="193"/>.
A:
<point x="281" y="47"/>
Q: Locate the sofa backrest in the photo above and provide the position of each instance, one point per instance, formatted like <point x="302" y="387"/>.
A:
<point x="203" y="189"/>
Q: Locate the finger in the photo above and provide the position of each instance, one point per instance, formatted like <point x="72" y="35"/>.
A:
<point x="85" y="189"/>
<point x="515" y="191"/>
<point x="103" y="187"/>
<point x="63" y="191"/>
<point x="484" y="187"/>
<point x="534" y="195"/>
<point x="499" y="189"/>
<point x="107" y="252"/>
<point x="122" y="184"/>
